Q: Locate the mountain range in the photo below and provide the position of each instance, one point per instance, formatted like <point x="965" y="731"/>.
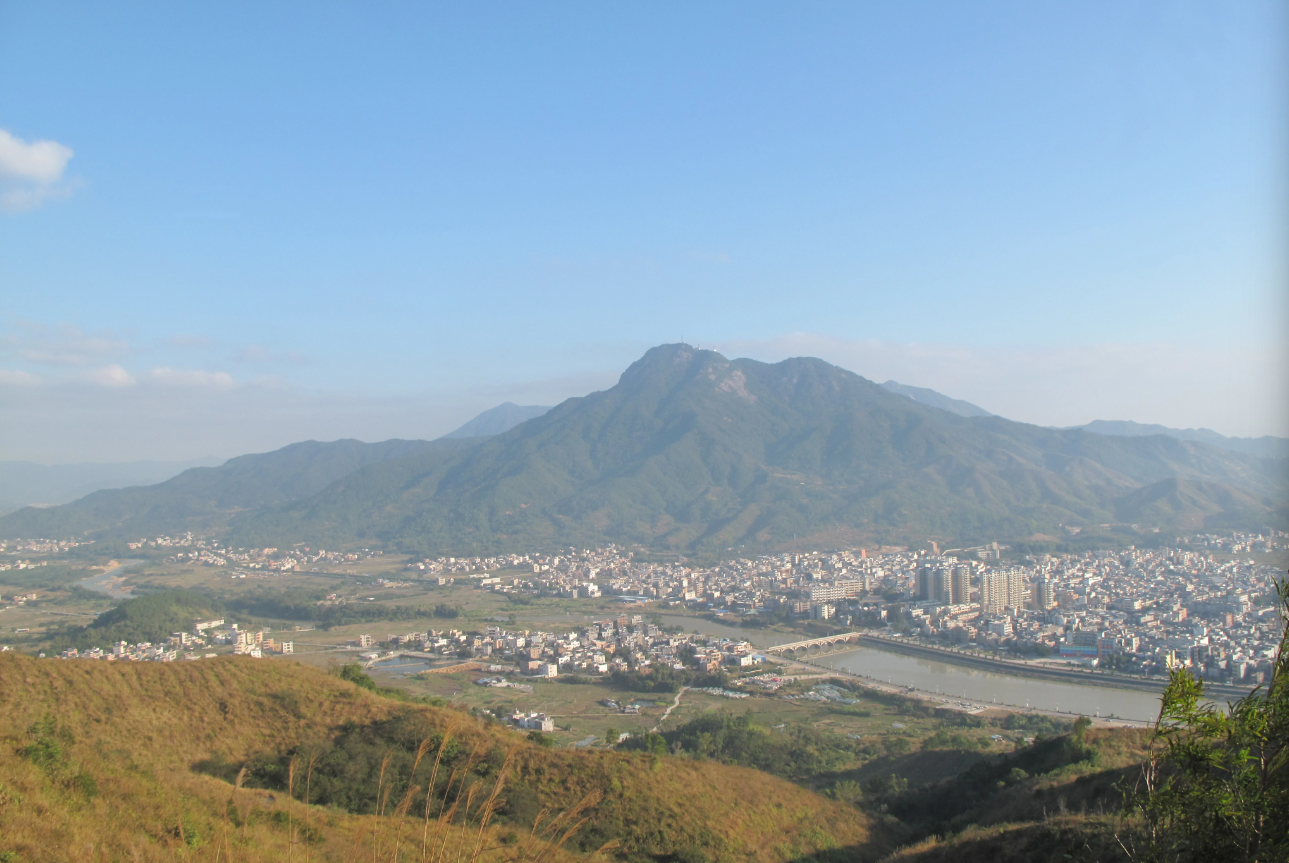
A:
<point x="24" y="483"/>
<point x="692" y="451"/>
<point x="1265" y="446"/>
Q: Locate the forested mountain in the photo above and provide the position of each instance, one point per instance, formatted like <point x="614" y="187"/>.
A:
<point x="202" y="499"/>
<point x="1266" y="446"/>
<point x="23" y="483"/>
<point x="693" y="451"/>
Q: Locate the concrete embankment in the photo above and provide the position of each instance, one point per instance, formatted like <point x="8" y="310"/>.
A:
<point x="1040" y="672"/>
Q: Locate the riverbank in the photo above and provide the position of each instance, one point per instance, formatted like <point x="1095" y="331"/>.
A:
<point x="1038" y="672"/>
<point x="966" y="705"/>
<point x="109" y="582"/>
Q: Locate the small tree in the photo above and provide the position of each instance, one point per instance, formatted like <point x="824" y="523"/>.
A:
<point x="1216" y="785"/>
<point x="611" y="736"/>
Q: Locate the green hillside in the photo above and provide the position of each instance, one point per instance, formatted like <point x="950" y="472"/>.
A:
<point x="152" y="618"/>
<point x="693" y="451"/>
<point x="202" y="499"/>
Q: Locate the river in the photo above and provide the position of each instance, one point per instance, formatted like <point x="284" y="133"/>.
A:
<point x="985" y="687"/>
<point x="106" y="582"/>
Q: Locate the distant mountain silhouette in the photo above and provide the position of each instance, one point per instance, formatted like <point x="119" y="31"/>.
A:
<point x="498" y="420"/>
<point x="691" y="451"/>
<point x="24" y="483"/>
<point x="922" y="395"/>
<point x="1265" y="446"/>
<point x="203" y="498"/>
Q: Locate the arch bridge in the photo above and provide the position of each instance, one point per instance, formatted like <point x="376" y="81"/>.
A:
<point x="815" y="646"/>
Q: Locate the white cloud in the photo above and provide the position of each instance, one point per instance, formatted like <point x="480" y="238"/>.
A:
<point x="38" y="161"/>
<point x="17" y="377"/>
<point x="111" y="376"/>
<point x="192" y="378"/>
<point x="31" y="172"/>
<point x="66" y="345"/>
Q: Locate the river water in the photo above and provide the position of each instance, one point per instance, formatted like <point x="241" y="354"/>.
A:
<point x="103" y="582"/>
<point x="985" y="687"/>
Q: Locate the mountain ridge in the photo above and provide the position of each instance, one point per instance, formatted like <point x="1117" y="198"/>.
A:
<point x="693" y="451"/>
<point x="930" y="397"/>
<point x="1267" y="446"/>
<point x="203" y="498"/>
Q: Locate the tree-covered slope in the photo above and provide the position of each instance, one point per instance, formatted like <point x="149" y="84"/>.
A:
<point x="691" y="450"/>
<point x="203" y="498"/>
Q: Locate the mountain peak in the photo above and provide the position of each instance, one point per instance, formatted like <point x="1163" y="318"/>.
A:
<point x="498" y="420"/>
<point x="667" y="364"/>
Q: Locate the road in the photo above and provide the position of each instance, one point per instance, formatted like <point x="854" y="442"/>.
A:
<point x="674" y="704"/>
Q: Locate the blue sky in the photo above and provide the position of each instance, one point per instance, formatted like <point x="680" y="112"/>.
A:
<point x="268" y="222"/>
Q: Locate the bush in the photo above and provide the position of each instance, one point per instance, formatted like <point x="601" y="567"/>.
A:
<point x="541" y="740"/>
<point x="1216" y="786"/>
<point x="797" y="753"/>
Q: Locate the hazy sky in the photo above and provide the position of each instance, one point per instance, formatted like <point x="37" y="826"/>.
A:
<point x="230" y="226"/>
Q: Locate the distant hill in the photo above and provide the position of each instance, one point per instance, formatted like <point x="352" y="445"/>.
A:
<point x="1190" y="504"/>
<point x="1264" y="447"/>
<point x="151" y="618"/>
<point x="692" y="451"/>
<point x="203" y="498"/>
<point x="498" y="420"/>
<point x="934" y="399"/>
<point x="24" y="483"/>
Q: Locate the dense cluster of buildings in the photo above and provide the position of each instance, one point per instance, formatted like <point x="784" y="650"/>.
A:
<point x="15" y="547"/>
<point x="1238" y="542"/>
<point x="621" y="643"/>
<point x="1136" y="610"/>
<point x="1139" y="610"/>
<point x="188" y="645"/>
<point x="207" y="553"/>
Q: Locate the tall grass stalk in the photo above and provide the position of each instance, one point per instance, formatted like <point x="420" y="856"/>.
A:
<point x="290" y="825"/>
<point x="308" y="778"/>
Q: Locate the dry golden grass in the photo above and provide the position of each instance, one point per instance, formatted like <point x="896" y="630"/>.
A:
<point x="140" y="728"/>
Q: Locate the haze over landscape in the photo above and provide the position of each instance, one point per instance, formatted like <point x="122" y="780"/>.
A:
<point x="882" y="191"/>
<point x="644" y="433"/>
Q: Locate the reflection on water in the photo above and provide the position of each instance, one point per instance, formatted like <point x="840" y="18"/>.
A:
<point x="994" y="688"/>
<point x="953" y="680"/>
<point x="986" y="687"/>
<point x="102" y="583"/>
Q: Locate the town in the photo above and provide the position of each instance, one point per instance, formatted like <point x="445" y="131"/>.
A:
<point x="1133" y="611"/>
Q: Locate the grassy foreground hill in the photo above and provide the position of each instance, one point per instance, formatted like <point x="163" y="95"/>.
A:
<point x="117" y="761"/>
